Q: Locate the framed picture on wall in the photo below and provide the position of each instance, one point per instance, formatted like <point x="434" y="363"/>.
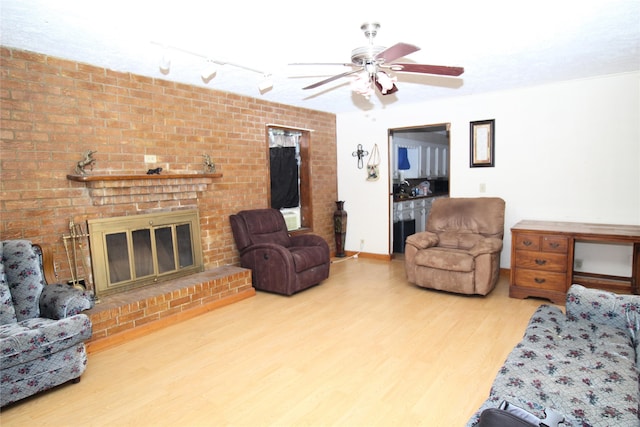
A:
<point x="482" y="148"/>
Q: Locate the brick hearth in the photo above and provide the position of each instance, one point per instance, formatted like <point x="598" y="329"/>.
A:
<point x="120" y="317"/>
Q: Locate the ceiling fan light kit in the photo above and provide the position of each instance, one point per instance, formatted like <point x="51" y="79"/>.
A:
<point x="361" y="84"/>
<point x="371" y="61"/>
<point x="386" y="81"/>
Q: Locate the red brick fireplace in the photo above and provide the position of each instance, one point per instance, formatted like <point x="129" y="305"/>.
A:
<point x="121" y="315"/>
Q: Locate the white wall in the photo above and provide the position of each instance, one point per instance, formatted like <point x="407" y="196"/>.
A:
<point x="568" y="152"/>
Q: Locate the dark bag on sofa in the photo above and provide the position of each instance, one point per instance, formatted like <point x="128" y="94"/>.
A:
<point x="494" y="417"/>
<point x="508" y="415"/>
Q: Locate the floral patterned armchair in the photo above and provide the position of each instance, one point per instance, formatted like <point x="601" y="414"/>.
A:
<point x="42" y="332"/>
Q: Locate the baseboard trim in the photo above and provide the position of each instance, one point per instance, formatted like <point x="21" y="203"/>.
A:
<point x="382" y="257"/>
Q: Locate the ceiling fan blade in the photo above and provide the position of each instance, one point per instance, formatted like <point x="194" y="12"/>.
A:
<point x="332" y="78"/>
<point x="427" y="69"/>
<point x="396" y="51"/>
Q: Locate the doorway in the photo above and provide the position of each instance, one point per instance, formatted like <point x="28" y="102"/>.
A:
<point x="419" y="169"/>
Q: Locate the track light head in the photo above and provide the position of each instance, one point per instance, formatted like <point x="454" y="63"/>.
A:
<point x="266" y="84"/>
<point x="209" y="72"/>
<point x="165" y="63"/>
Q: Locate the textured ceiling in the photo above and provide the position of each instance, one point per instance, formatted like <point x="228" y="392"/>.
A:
<point x="501" y="44"/>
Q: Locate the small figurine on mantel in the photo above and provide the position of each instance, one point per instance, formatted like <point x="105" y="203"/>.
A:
<point x="87" y="161"/>
<point x="209" y="167"/>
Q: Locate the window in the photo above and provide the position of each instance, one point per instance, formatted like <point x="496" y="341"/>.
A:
<point x="289" y="175"/>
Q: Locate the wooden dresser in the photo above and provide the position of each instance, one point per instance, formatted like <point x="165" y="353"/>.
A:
<point x="542" y="258"/>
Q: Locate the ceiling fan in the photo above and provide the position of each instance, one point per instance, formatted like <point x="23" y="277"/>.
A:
<point x="371" y="61"/>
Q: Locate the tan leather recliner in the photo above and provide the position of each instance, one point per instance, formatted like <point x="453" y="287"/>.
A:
<point x="460" y="249"/>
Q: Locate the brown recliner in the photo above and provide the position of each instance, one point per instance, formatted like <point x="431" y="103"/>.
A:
<point x="279" y="262"/>
<point x="460" y="249"/>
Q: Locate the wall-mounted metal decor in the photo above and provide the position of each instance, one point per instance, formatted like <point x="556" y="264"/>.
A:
<point x="360" y="153"/>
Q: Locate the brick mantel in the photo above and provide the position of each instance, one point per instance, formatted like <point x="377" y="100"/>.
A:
<point x="130" y="189"/>
<point x="138" y="177"/>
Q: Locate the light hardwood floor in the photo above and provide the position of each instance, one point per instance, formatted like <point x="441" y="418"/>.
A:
<point x="365" y="348"/>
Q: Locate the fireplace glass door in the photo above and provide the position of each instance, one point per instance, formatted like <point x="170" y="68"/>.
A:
<point x="136" y="251"/>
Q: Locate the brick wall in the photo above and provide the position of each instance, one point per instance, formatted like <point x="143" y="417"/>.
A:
<point x="53" y="110"/>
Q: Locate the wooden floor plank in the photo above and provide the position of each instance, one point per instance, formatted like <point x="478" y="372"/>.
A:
<point x="363" y="348"/>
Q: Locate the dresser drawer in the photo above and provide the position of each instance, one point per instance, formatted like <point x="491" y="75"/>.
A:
<point x="529" y="242"/>
<point x="559" y="244"/>
<point x="541" y="261"/>
<point x="541" y="242"/>
<point x="541" y="279"/>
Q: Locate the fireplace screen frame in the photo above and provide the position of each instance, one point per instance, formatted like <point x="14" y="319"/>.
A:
<point x="153" y="226"/>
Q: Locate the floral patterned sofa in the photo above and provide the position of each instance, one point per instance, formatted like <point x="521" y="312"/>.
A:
<point x="583" y="364"/>
<point x="42" y="332"/>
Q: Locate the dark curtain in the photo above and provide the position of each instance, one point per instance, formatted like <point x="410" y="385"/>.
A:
<point x="284" y="178"/>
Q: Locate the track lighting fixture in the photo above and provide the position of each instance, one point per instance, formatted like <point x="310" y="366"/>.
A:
<point x="210" y="70"/>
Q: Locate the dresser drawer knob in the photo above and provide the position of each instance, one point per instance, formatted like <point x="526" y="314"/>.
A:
<point x="541" y="261"/>
<point x="554" y="245"/>
<point x="527" y="242"/>
<point x="539" y="281"/>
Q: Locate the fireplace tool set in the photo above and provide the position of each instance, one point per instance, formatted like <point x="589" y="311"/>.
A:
<point x="76" y="234"/>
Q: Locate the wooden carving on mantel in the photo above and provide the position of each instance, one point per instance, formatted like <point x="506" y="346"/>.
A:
<point x="88" y="160"/>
